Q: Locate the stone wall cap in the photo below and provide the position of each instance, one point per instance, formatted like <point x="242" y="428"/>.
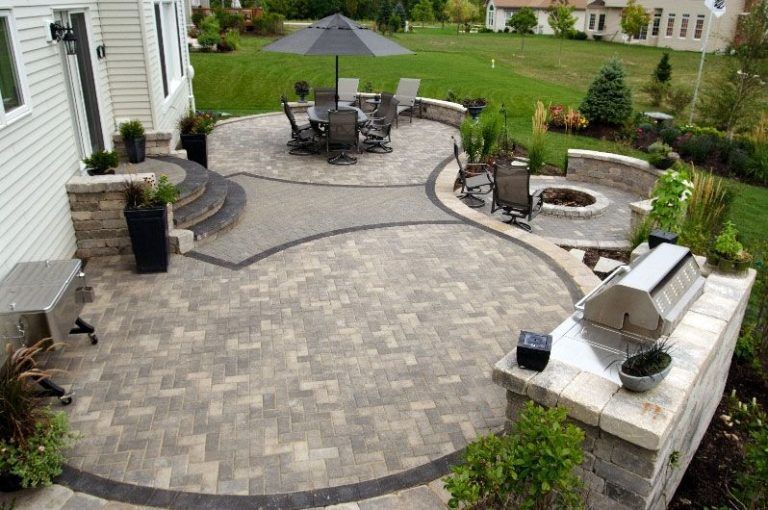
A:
<point x="614" y="158"/>
<point x="642" y="206"/>
<point x="103" y="183"/>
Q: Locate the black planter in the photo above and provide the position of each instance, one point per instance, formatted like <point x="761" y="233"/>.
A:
<point x="196" y="147"/>
<point x="10" y="482"/>
<point x="656" y="237"/>
<point x="474" y="111"/>
<point x="136" y="148"/>
<point x="148" y="229"/>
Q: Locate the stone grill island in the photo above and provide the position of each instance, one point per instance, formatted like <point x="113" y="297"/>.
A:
<point x="638" y="445"/>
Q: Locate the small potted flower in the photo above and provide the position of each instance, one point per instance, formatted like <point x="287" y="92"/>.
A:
<point x="646" y="367"/>
<point x="195" y="128"/>
<point x="475" y="106"/>
<point x="101" y="163"/>
<point x="146" y="214"/>
<point x="727" y="253"/>
<point x="302" y="90"/>
<point x="32" y="437"/>
<point x="132" y="133"/>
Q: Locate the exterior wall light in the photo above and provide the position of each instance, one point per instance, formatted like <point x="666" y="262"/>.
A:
<point x="60" y="33"/>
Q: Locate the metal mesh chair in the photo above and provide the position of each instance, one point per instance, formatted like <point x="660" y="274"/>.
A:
<point x="474" y="177"/>
<point x="303" y="142"/>
<point x="325" y="99"/>
<point x="511" y="193"/>
<point x="348" y="91"/>
<point x="343" y="132"/>
<point x="378" y="130"/>
<point x="406" y="93"/>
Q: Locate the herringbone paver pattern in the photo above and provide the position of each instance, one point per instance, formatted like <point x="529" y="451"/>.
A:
<point x="332" y="362"/>
<point x="257" y="145"/>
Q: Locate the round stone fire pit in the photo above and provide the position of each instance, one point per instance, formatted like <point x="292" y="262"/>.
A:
<point x="572" y="201"/>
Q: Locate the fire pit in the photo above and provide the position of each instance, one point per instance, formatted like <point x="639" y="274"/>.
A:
<point x="572" y="201"/>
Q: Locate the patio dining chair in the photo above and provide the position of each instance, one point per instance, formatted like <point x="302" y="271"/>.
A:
<point x="343" y="133"/>
<point x="348" y="91"/>
<point x="378" y="130"/>
<point x="303" y="142"/>
<point x="511" y="193"/>
<point x="474" y="178"/>
<point x="406" y="93"/>
<point x="325" y="99"/>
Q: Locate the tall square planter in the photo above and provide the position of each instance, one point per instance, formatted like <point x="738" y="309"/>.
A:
<point x="196" y="147"/>
<point x="136" y="149"/>
<point x="148" y="229"/>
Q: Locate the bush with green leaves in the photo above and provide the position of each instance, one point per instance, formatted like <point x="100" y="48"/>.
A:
<point x="146" y="193"/>
<point x="659" y="154"/>
<point x="230" y="40"/>
<point x="480" y="138"/>
<point x="531" y="467"/>
<point x="727" y="244"/>
<point x="131" y="130"/>
<point x="670" y="197"/>
<point x="751" y="489"/>
<point x="609" y="100"/>
<point x="101" y="161"/>
<point x="210" y="33"/>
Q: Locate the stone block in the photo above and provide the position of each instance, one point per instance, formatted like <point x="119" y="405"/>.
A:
<point x="606" y="265"/>
<point x="578" y="254"/>
<point x="586" y="396"/>
<point x="546" y="386"/>
<point x="507" y="374"/>
<point x="612" y="473"/>
<point x="633" y="418"/>
<point x="182" y="240"/>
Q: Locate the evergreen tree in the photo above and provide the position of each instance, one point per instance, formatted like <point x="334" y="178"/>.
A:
<point x="383" y="16"/>
<point x="663" y="72"/>
<point x="609" y="99"/>
<point x="401" y="17"/>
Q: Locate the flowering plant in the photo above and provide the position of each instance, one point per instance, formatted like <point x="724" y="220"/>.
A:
<point x="670" y="200"/>
<point x="566" y="117"/>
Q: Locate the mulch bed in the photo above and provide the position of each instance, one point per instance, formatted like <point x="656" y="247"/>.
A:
<point x="567" y="197"/>
<point x="593" y="255"/>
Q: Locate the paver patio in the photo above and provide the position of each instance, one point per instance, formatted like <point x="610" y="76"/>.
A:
<point x="343" y="332"/>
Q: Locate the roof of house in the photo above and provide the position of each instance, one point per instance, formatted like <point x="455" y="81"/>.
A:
<point x="536" y="4"/>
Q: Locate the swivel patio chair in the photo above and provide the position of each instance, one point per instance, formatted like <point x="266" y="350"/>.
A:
<point x="325" y="99"/>
<point x="379" y="128"/>
<point x="511" y="193"/>
<point x="348" y="91"/>
<point x="343" y="133"/>
<point x="406" y="93"/>
<point x="303" y="142"/>
<point x="474" y="178"/>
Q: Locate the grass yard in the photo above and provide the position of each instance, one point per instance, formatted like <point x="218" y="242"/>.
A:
<point x="251" y="81"/>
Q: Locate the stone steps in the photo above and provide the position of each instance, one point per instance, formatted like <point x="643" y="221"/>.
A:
<point x="225" y="217"/>
<point x="194" y="182"/>
<point x="205" y="205"/>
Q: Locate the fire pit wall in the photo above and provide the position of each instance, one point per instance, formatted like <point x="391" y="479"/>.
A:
<point x="622" y="172"/>
<point x="638" y="445"/>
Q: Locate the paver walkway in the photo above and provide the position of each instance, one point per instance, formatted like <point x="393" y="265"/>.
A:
<point x="336" y="345"/>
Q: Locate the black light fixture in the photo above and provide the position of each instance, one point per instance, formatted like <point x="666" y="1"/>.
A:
<point x="61" y="33"/>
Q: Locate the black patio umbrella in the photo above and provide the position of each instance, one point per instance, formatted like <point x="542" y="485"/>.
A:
<point x="336" y="35"/>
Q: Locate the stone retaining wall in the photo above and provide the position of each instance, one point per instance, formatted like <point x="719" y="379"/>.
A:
<point x="623" y="172"/>
<point x="638" y="445"/>
<point x="158" y="143"/>
<point x="639" y="211"/>
<point x="96" y="204"/>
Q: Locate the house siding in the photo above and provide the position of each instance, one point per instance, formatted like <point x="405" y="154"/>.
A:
<point x="502" y="14"/>
<point x="39" y="150"/>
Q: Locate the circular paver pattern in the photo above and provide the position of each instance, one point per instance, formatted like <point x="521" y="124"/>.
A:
<point x="256" y="145"/>
<point x="335" y="361"/>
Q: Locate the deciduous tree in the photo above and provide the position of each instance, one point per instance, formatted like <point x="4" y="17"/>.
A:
<point x="460" y="12"/>
<point x="562" y="21"/>
<point x="523" y="21"/>
<point x="633" y="18"/>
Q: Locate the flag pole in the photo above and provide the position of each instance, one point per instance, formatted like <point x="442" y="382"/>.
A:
<point x="701" y="68"/>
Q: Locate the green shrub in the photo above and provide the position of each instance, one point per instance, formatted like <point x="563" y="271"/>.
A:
<point x="679" y="98"/>
<point x="669" y="135"/>
<point x="269" y="23"/>
<point x="751" y="491"/>
<point x="727" y="244"/>
<point x="210" y="33"/>
<point x="131" y="130"/>
<point x="670" y="196"/>
<point x="538" y="139"/>
<point x="532" y="467"/>
<point x="663" y="71"/>
<point x="231" y="39"/>
<point x="196" y="123"/>
<point x="698" y="148"/>
<point x="229" y="20"/>
<point x="148" y="193"/>
<point x="657" y="91"/>
<point x="707" y="209"/>
<point x="609" y="99"/>
<point x="659" y="155"/>
<point x="197" y="18"/>
<point x="102" y="161"/>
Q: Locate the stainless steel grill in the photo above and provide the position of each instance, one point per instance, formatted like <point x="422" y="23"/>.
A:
<point x="636" y="304"/>
<point x="43" y="300"/>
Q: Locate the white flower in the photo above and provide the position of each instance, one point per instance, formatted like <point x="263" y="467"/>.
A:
<point x="41" y="448"/>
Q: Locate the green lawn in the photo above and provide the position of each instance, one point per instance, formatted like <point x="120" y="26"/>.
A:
<point x="251" y="81"/>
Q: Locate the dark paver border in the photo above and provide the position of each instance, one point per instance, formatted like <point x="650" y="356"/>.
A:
<point x="323" y="184"/>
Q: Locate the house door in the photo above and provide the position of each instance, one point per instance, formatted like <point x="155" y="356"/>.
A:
<point x="82" y="86"/>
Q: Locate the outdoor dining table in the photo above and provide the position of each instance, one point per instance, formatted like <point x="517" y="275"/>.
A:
<point x="319" y="116"/>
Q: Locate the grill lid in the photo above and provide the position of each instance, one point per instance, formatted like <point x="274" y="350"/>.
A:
<point x="36" y="286"/>
<point x="650" y="298"/>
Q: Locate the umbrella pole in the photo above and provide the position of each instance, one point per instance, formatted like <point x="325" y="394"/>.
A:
<point x="337" y="82"/>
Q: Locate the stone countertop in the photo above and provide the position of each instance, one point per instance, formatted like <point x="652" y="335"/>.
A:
<point x="643" y="419"/>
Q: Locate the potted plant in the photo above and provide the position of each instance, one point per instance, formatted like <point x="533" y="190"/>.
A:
<point x="475" y="106"/>
<point x="32" y="437"/>
<point x="132" y="133"/>
<point x="302" y="90"/>
<point x="662" y="156"/>
<point x="670" y="200"/>
<point x="147" y="217"/>
<point x="646" y="367"/>
<point x="727" y="253"/>
<point x="101" y="162"/>
<point x="194" y="129"/>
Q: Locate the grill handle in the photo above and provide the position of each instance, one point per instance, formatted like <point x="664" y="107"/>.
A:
<point x="616" y="272"/>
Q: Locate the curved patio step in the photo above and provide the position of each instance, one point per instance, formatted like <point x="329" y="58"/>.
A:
<point x="204" y="206"/>
<point x="195" y="180"/>
<point x="226" y="217"/>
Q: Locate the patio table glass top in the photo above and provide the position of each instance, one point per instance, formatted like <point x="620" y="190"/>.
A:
<point x="320" y="115"/>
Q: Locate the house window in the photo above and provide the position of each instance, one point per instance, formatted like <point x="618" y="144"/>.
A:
<point x="12" y="89"/>
<point x="491" y="16"/>
<point x="169" y="47"/>
<point x="699" y="26"/>
<point x="670" y="25"/>
<point x="592" y="19"/>
<point x="684" y="26"/>
<point x="601" y="23"/>
<point x="643" y="33"/>
<point x="656" y="23"/>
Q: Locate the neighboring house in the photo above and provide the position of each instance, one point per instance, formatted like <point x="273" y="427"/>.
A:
<point x="130" y="61"/>
<point x="679" y="24"/>
<point x="497" y="12"/>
